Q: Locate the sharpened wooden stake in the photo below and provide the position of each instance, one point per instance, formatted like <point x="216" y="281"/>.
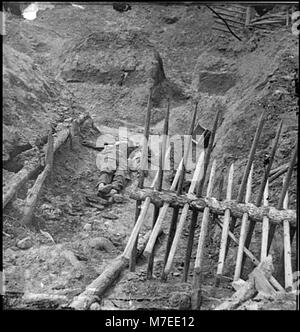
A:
<point x="262" y="187"/>
<point x="144" y="166"/>
<point x="183" y="216"/>
<point x="242" y="187"/>
<point x="34" y="192"/>
<point x="244" y="226"/>
<point x="179" y="172"/>
<point x="288" y="271"/>
<point x="225" y="229"/>
<point x="198" y="267"/>
<point x="253" y="259"/>
<point x="194" y="218"/>
<point x="285" y="186"/>
<point x="265" y="226"/>
<point x="162" y="149"/>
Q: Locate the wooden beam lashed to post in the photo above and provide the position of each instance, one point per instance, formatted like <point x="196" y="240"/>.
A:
<point x="265" y="226"/>
<point x="162" y="149"/>
<point x="288" y="271"/>
<point x="163" y="211"/>
<point x="285" y="186"/>
<point x="198" y="193"/>
<point x="225" y="229"/>
<point x="144" y="166"/>
<point x="244" y="226"/>
<point x="198" y="267"/>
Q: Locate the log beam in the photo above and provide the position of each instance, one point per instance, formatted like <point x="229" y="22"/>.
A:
<point x="216" y="207"/>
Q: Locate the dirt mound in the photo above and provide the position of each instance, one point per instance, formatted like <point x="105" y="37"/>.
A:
<point x="122" y="64"/>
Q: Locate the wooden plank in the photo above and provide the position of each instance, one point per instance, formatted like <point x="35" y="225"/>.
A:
<point x="143" y="167"/>
<point x="243" y="232"/>
<point x="198" y="267"/>
<point x="229" y="10"/>
<point x="265" y="226"/>
<point x="238" y="23"/>
<point x="225" y="229"/>
<point x="226" y="31"/>
<point x="239" y="19"/>
<point x="288" y="271"/>
<point x="231" y="24"/>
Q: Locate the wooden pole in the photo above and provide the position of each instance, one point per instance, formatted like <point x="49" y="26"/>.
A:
<point x="253" y="259"/>
<point x="199" y="193"/>
<point x="283" y="192"/>
<point x="32" y="166"/>
<point x="217" y="207"/>
<point x="34" y="192"/>
<point x="198" y="267"/>
<point x="242" y="187"/>
<point x="160" y="181"/>
<point x="144" y="166"/>
<point x="134" y="234"/>
<point x="225" y="229"/>
<point x="262" y="188"/>
<point x="163" y="211"/>
<point x="288" y="271"/>
<point x="244" y="226"/>
<point x="248" y="15"/>
<point x="265" y="226"/>
<point x="183" y="216"/>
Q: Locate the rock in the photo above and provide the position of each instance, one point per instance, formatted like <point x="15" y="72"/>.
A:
<point x="101" y="243"/>
<point x="110" y="216"/>
<point x="87" y="227"/>
<point x="95" y="306"/>
<point x="25" y="243"/>
<point x="180" y="300"/>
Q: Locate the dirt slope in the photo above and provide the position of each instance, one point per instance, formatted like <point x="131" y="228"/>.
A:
<point x="70" y="61"/>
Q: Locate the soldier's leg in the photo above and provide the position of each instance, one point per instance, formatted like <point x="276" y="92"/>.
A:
<point x="104" y="183"/>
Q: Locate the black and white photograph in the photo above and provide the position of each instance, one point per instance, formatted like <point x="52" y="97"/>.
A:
<point x="150" y="158"/>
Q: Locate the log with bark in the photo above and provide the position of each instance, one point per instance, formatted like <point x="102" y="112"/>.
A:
<point x="217" y="207"/>
<point x="95" y="291"/>
<point x="258" y="282"/>
<point x="33" y="165"/>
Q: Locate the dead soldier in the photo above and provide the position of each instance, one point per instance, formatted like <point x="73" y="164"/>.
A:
<point x="116" y="161"/>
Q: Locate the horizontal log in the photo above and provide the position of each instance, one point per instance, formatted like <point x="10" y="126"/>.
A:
<point x="99" y="286"/>
<point x="32" y="166"/>
<point x="217" y="207"/>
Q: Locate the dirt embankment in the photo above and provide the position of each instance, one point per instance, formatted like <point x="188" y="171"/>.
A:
<point x="98" y="60"/>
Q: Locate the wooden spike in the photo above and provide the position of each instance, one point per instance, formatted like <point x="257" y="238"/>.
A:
<point x="199" y="192"/>
<point x="143" y="167"/>
<point x="262" y="188"/>
<point x="253" y="259"/>
<point x="198" y="267"/>
<point x="242" y="187"/>
<point x="244" y="226"/>
<point x="162" y="148"/>
<point x="283" y="192"/>
<point x="265" y="226"/>
<point x="225" y="229"/>
<point x="288" y="271"/>
<point x="164" y="209"/>
<point x="183" y="216"/>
